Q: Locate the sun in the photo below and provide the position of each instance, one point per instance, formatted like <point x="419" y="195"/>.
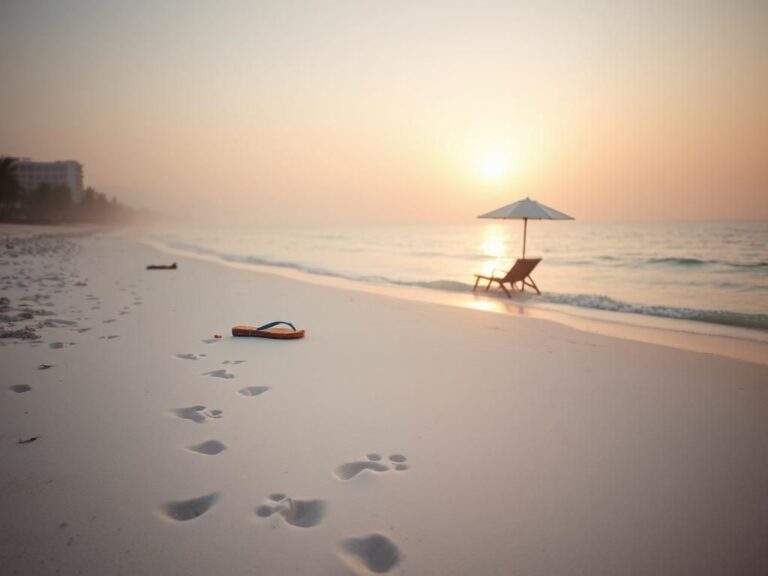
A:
<point x="495" y="165"/>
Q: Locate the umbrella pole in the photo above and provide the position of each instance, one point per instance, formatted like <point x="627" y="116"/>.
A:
<point x="525" y="233"/>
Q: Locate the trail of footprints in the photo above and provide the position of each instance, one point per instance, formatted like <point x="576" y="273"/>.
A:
<point x="372" y="552"/>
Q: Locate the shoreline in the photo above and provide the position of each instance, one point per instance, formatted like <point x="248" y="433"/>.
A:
<point x="727" y="341"/>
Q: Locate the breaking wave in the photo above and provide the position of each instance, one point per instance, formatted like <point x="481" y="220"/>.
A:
<point x="723" y="317"/>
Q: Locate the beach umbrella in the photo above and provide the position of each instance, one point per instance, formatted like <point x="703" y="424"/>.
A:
<point x="525" y="210"/>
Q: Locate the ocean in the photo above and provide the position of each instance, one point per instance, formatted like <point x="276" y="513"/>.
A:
<point x="708" y="272"/>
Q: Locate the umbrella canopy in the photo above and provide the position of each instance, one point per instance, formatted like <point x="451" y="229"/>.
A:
<point x="525" y="210"/>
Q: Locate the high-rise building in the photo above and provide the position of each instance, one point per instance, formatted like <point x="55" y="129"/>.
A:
<point x="63" y="173"/>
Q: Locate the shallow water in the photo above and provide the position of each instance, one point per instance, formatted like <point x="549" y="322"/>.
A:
<point x="714" y="272"/>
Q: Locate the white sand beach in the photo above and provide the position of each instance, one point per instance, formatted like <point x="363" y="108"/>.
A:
<point x="397" y="437"/>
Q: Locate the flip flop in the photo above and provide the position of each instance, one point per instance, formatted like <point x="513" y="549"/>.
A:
<point x="269" y="331"/>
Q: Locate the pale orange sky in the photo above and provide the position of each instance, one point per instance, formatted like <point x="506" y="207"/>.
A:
<point x="368" y="112"/>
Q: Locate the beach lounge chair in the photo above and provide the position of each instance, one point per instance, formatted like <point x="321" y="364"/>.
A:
<point x="520" y="272"/>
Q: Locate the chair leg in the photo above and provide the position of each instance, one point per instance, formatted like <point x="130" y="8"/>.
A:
<point x="532" y="285"/>
<point x="505" y="289"/>
<point x="477" y="279"/>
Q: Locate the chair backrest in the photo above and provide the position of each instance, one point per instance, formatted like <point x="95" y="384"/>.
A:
<point x="522" y="269"/>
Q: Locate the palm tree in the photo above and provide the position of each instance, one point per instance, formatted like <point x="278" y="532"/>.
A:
<point x="9" y="186"/>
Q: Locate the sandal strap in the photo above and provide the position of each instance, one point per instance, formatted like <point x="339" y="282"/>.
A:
<point x="275" y="323"/>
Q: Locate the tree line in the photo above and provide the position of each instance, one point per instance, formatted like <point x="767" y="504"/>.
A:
<point x="53" y="204"/>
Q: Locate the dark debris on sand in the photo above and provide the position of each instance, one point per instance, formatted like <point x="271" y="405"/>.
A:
<point x="28" y="440"/>
<point x="26" y="333"/>
<point x="20" y="269"/>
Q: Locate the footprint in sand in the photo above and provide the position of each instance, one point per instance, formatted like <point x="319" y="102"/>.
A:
<point x="253" y="390"/>
<point x="56" y="345"/>
<point x="189" y="356"/>
<point x="198" y="414"/>
<point x="219" y="374"/>
<point x="301" y="513"/>
<point x="211" y="340"/>
<point x="374" y="552"/>
<point x="184" y="510"/>
<point x="400" y="462"/>
<point x="209" y="448"/>
<point x="109" y="321"/>
<point x="233" y="361"/>
<point x="20" y="388"/>
<point x="349" y="470"/>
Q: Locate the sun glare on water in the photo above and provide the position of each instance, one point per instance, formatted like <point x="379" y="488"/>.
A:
<point x="494" y="249"/>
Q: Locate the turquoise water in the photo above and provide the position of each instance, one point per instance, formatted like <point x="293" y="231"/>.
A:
<point x="714" y="272"/>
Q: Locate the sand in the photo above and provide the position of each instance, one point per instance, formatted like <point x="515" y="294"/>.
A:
<point x="398" y="437"/>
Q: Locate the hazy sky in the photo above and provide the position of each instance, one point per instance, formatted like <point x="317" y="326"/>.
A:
<point x="390" y="111"/>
